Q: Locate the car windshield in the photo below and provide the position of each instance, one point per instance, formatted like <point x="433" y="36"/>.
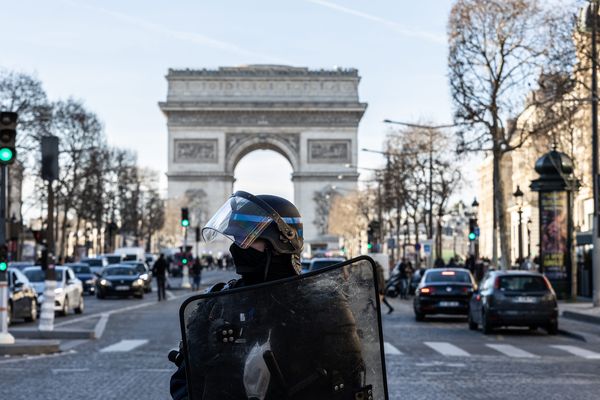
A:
<point x="94" y="262"/>
<point x="37" y="275"/>
<point x="522" y="284"/>
<point x="119" y="271"/>
<point x="447" y="276"/>
<point x="323" y="264"/>
<point x="81" y="269"/>
<point x="113" y="259"/>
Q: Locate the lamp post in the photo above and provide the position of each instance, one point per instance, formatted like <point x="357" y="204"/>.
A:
<point x="529" y="222"/>
<point x="518" y="195"/>
<point x="475" y="211"/>
<point x="590" y="25"/>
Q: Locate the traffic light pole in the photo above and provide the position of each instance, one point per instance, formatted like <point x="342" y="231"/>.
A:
<point x="5" y="337"/>
<point x="185" y="280"/>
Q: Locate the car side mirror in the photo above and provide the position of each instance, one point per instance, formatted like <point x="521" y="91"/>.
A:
<point x="19" y="284"/>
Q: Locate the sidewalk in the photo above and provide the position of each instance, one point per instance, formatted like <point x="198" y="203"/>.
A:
<point x="580" y="311"/>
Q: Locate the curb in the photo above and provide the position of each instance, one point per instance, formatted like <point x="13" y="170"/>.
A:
<point x="65" y="334"/>
<point x="591" y="319"/>
<point x="30" y="347"/>
<point x="573" y="335"/>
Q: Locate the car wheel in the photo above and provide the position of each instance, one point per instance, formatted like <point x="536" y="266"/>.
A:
<point x="65" y="308"/>
<point x="472" y="324"/>
<point x="33" y="312"/>
<point x="419" y="316"/>
<point x="79" y="308"/>
<point x="486" y="327"/>
<point x="552" y="327"/>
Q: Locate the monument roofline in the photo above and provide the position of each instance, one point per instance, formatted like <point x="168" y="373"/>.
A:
<point x="262" y="70"/>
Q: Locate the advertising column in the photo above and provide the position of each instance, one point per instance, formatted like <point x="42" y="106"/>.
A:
<point x="554" y="248"/>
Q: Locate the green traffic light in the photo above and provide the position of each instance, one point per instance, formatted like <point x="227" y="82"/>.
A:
<point x="472" y="236"/>
<point x="370" y="246"/>
<point x="185" y="223"/>
<point x="6" y="154"/>
<point x="184" y="261"/>
<point x="3" y="266"/>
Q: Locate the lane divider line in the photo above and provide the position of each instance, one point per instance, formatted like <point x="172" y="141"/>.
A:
<point x="511" y="351"/>
<point x="578" y="351"/>
<point x="447" y="349"/>
<point x="390" y="349"/>
<point x="124" y="345"/>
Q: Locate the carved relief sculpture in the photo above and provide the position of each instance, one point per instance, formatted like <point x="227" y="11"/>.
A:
<point x="329" y="151"/>
<point x="196" y="151"/>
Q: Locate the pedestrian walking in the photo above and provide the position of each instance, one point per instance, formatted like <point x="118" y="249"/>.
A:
<point x="196" y="274"/>
<point x="159" y="270"/>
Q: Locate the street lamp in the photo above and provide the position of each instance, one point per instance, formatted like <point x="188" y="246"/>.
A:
<point x="518" y="195"/>
<point x="529" y="222"/>
<point x="475" y="214"/>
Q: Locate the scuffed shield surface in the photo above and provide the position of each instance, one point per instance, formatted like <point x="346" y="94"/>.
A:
<point x="316" y="336"/>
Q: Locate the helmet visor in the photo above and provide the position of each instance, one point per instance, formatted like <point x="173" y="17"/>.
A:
<point x="240" y="220"/>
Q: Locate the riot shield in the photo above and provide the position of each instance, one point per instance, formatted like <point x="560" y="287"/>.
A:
<point x="316" y="336"/>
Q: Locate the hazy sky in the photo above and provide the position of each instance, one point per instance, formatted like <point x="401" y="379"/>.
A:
<point x="114" y="55"/>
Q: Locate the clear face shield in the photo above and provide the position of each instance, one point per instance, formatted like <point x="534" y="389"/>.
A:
<point x="240" y="220"/>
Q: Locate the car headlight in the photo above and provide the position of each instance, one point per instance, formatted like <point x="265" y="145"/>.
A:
<point x="58" y="290"/>
<point x="138" y="282"/>
<point x="104" y="282"/>
<point x="144" y="276"/>
<point x="89" y="282"/>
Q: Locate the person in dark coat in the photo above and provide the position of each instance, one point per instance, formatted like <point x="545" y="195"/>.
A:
<point x="159" y="270"/>
<point x="196" y="274"/>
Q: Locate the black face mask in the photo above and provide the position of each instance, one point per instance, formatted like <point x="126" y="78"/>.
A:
<point x="252" y="264"/>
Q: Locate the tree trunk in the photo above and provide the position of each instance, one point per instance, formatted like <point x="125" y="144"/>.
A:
<point x="500" y="212"/>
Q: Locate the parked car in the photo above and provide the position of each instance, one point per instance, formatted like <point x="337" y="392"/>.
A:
<point x="415" y="280"/>
<point x="514" y="298"/>
<point x="84" y="273"/>
<point x="96" y="264"/>
<point x="120" y="280"/>
<point x="68" y="293"/>
<point x="22" y="297"/>
<point x="305" y="265"/>
<point x="444" y="291"/>
<point x="113" y="258"/>
<point x="324" y="262"/>
<point x="150" y="259"/>
<point x="144" y="273"/>
<point x="20" y="265"/>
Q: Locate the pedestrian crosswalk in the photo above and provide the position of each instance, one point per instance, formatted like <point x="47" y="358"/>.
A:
<point x="447" y="349"/>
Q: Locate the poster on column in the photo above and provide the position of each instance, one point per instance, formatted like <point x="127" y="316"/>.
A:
<point x="553" y="221"/>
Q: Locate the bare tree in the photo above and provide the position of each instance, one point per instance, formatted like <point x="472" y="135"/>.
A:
<point x="498" y="51"/>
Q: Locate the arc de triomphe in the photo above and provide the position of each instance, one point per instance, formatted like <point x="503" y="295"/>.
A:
<point x="216" y="117"/>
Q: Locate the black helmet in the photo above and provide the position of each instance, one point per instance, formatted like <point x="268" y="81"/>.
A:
<point x="245" y="217"/>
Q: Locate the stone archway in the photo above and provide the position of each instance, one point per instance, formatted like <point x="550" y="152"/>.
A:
<point x="216" y="117"/>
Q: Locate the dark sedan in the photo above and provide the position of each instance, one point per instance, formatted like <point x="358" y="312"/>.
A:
<point x="514" y="298"/>
<point x="120" y="280"/>
<point x="84" y="273"/>
<point x="443" y="291"/>
<point x="144" y="273"/>
<point x="22" y="297"/>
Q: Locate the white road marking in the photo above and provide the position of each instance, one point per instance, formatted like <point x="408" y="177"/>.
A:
<point x="578" y="351"/>
<point x="14" y="359"/>
<point x="101" y="325"/>
<point x="68" y="370"/>
<point x="115" y="311"/>
<point x="391" y="350"/>
<point x="447" y="349"/>
<point x="511" y="351"/>
<point x="124" y="345"/>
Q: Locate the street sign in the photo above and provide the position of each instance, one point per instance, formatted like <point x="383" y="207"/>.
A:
<point x="427" y="248"/>
<point x="418" y="246"/>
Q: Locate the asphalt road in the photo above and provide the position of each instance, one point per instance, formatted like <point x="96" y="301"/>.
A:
<point x="436" y="359"/>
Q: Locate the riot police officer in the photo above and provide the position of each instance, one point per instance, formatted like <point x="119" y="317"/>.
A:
<point x="267" y="240"/>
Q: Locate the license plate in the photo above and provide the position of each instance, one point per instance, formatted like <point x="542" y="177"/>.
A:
<point x="448" y="303"/>
<point x="525" y="299"/>
<point x="122" y="288"/>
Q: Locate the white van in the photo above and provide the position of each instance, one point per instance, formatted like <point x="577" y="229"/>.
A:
<point x="132" y="253"/>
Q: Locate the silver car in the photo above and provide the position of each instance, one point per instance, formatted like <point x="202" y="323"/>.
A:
<point x="68" y="294"/>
